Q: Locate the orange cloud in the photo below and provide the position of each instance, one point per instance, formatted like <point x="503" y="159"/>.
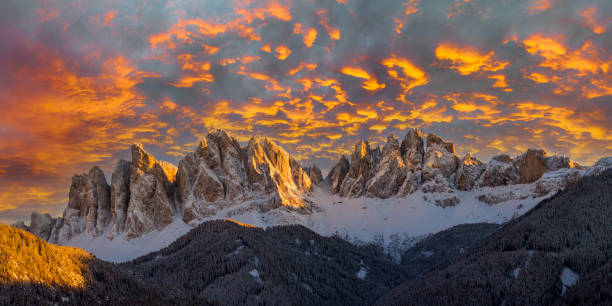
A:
<point x="108" y="19"/>
<point x="500" y="82"/>
<point x="538" y="6"/>
<point x="411" y="76"/>
<point x="334" y="33"/>
<point x="370" y="83"/>
<point x="591" y="21"/>
<point x="468" y="60"/>
<point x="282" y="52"/>
<point x="565" y="67"/>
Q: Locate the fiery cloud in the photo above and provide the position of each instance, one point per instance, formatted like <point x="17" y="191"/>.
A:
<point x="468" y="60"/>
<point x="81" y="81"/>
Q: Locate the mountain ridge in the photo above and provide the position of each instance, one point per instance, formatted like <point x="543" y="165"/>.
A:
<point x="222" y="179"/>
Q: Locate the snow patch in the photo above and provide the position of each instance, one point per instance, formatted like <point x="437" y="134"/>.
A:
<point x="362" y="273"/>
<point x="516" y="272"/>
<point x="427" y="253"/>
<point x="255" y="274"/>
<point x="568" y="278"/>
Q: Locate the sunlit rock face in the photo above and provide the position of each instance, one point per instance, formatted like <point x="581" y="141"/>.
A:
<point x="440" y="158"/>
<point x="221" y="173"/>
<point x="531" y="165"/>
<point x="276" y="178"/>
<point x="146" y="194"/>
<point x="151" y="206"/>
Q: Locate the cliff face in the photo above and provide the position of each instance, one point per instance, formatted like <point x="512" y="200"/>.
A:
<point x="431" y="164"/>
<point x="146" y="194"/>
<point x="221" y="179"/>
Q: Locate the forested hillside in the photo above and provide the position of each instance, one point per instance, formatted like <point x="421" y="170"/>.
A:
<point x="234" y="264"/>
<point x="559" y="252"/>
<point x="34" y="272"/>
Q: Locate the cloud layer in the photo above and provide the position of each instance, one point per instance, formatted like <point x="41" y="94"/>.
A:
<point x="81" y="80"/>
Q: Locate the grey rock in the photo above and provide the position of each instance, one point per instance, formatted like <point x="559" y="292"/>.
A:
<point x="41" y="225"/>
<point x="337" y="174"/>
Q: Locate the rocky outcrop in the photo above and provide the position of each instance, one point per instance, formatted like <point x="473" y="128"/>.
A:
<point x="41" y="225"/>
<point x="531" y="165"/>
<point x="391" y="172"/>
<point x="468" y="172"/>
<point x="276" y="178"/>
<point x="440" y="158"/>
<point x="120" y="195"/>
<point x="432" y="165"/>
<point x="412" y="150"/>
<point x="221" y="173"/>
<point x="146" y="194"/>
<point x="337" y="174"/>
<point x="362" y="167"/>
<point x="88" y="205"/>
<point x="150" y="206"/>
<point x="222" y="179"/>
<point x="315" y="175"/>
<point x="500" y="171"/>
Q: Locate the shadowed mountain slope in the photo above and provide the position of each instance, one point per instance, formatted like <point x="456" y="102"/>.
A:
<point x="235" y="264"/>
<point x="559" y="252"/>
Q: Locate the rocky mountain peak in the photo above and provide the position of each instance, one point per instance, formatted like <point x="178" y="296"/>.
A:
<point x="531" y="165"/>
<point x="314" y="173"/>
<point x="146" y="194"/>
<point x="141" y="159"/>
<point x="436" y="141"/>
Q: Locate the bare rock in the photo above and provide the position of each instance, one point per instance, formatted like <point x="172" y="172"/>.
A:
<point x="150" y="206"/>
<point x="275" y="175"/>
<point x="337" y="174"/>
<point x="412" y="150"/>
<point x="555" y="181"/>
<point x="315" y="175"/>
<point x="55" y="231"/>
<point x="102" y="191"/>
<point x="496" y="198"/>
<point x="88" y="204"/>
<point x="41" y="225"/>
<point x="440" y="157"/>
<point x="531" y="165"/>
<point x="21" y="225"/>
<point x="361" y="169"/>
<point x="225" y="157"/>
<point x="500" y="171"/>
<point x="197" y="185"/>
<point x="444" y="203"/>
<point x="391" y="172"/>
<point x="120" y="196"/>
<point x="469" y="171"/>
<point x="557" y="162"/>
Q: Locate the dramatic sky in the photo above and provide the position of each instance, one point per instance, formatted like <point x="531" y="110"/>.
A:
<point x="81" y="80"/>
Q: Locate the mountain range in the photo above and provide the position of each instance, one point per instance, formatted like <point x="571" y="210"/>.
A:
<point x="556" y="254"/>
<point x="410" y="223"/>
<point x="404" y="190"/>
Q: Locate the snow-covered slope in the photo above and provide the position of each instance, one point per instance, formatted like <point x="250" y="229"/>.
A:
<point x="396" y="220"/>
